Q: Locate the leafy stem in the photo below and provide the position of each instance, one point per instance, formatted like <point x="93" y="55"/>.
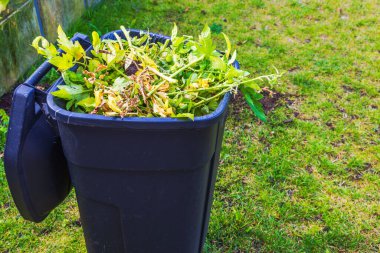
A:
<point x="187" y="65"/>
<point x="174" y="74"/>
<point x="211" y="98"/>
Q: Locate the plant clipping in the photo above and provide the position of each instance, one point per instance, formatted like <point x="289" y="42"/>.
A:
<point x="134" y="77"/>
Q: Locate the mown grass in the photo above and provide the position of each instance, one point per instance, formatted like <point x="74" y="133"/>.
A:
<point x="307" y="181"/>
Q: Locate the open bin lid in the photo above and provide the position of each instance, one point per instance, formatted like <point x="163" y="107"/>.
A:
<point x="35" y="165"/>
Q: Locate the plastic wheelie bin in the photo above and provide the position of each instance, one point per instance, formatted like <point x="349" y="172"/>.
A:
<point x="142" y="184"/>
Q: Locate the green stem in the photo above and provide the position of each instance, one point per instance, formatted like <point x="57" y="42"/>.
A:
<point x="120" y="72"/>
<point x="186" y="66"/>
<point x="203" y="89"/>
<point x="167" y="78"/>
<point x="174" y="74"/>
<point x="211" y="98"/>
<point x="155" y="88"/>
<point x="80" y="63"/>
<point x="259" y="78"/>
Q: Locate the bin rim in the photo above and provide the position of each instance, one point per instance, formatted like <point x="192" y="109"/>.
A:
<point x="84" y="119"/>
<point x="75" y="118"/>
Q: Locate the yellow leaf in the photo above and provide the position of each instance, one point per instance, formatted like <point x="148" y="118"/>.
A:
<point x="62" y="94"/>
<point x="147" y="61"/>
<point x="217" y="63"/>
<point x="228" y="42"/>
<point x="48" y="50"/>
<point x="64" y="43"/>
<point x="3" y="5"/>
<point x="158" y="109"/>
<point x="174" y="31"/>
<point x="169" y="111"/>
<point x="77" y="51"/>
<point x="185" y="116"/>
<point x="233" y="58"/>
<point x="119" y="40"/>
<point x="112" y="104"/>
<point x="203" y="83"/>
<point x="87" y="103"/>
<point x="51" y="51"/>
<point x="63" y="62"/>
<point x="36" y="43"/>
<point x="95" y="40"/>
<point x="98" y="97"/>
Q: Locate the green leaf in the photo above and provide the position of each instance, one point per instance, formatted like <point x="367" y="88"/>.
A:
<point x="68" y="92"/>
<point x="177" y="41"/>
<point x="3" y="5"/>
<point x="63" y="41"/>
<point x="206" y="47"/>
<point x="48" y="50"/>
<point x="64" y="94"/>
<point x="77" y="51"/>
<point x="217" y="63"/>
<point x="87" y="103"/>
<point x="95" y="40"/>
<point x="138" y="41"/>
<point x="228" y="42"/>
<point x="69" y="47"/>
<point x="213" y="105"/>
<point x="116" y="55"/>
<point x="174" y="31"/>
<point x="252" y="85"/>
<point x="257" y="96"/>
<point x="205" y="110"/>
<point x="120" y="84"/>
<point x="127" y="36"/>
<point x="185" y="116"/>
<point x="70" y="104"/>
<point x="63" y="62"/>
<point x="71" y="78"/>
<point x="119" y="40"/>
<point x="206" y="32"/>
<point x="93" y="64"/>
<point x="255" y="105"/>
<point x="232" y="73"/>
<point x="233" y="58"/>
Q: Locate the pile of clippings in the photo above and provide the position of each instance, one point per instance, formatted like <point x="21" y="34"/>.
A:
<point x="134" y="77"/>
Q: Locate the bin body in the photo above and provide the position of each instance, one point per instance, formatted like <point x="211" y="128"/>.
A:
<point x="142" y="184"/>
<point x="143" y="190"/>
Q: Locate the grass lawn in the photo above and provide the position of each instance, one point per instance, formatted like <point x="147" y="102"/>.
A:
<point x="307" y="181"/>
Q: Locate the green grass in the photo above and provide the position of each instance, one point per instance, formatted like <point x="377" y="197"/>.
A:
<point x="307" y="181"/>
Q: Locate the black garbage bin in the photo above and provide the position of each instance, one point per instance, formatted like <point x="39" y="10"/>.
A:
<point x="142" y="184"/>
